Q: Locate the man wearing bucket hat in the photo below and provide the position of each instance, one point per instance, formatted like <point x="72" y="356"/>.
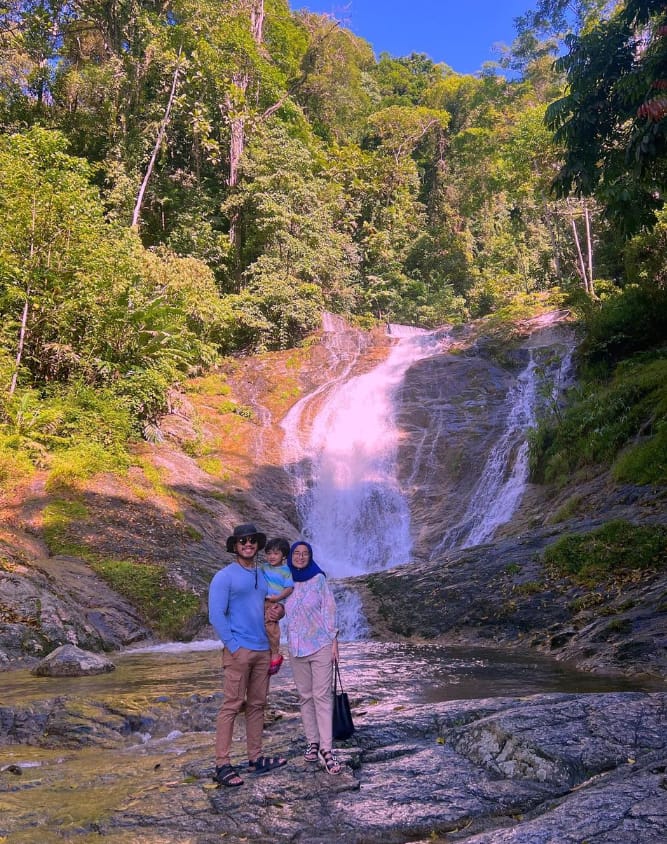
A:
<point x="236" y="611"/>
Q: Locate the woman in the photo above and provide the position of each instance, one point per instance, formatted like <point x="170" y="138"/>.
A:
<point x="310" y="613"/>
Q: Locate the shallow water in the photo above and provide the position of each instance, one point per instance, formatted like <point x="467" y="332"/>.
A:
<point x="417" y="673"/>
<point x="119" y="793"/>
<point x="434" y="673"/>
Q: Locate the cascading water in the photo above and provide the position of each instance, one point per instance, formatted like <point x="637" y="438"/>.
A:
<point x="341" y="450"/>
<point x="503" y="478"/>
<point x="343" y="463"/>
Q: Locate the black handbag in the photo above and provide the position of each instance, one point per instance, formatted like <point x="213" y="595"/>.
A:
<point x="343" y="727"/>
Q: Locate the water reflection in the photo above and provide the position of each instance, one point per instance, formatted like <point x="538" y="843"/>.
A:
<point x="413" y="673"/>
<point x="434" y="673"/>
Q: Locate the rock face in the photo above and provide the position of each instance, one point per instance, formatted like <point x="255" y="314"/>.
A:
<point x="452" y="411"/>
<point x="50" y="601"/>
<point x="501" y="594"/>
<point x="70" y="661"/>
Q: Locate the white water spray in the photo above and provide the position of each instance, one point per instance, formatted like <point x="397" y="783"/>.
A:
<point x="504" y="477"/>
<point x="344" y="464"/>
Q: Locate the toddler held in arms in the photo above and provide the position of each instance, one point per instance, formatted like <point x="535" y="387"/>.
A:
<point x="279" y="579"/>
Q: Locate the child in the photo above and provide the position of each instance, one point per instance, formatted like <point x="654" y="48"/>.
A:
<point x="278" y="576"/>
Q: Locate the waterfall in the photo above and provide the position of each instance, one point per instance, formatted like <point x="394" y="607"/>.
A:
<point x="341" y="444"/>
<point x="340" y="447"/>
<point x="503" y="478"/>
<point x="396" y="330"/>
<point x="350" y="615"/>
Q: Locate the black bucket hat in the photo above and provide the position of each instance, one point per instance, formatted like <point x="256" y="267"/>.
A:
<point x="245" y="530"/>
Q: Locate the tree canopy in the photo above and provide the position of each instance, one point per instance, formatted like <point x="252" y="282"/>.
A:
<point x="192" y="178"/>
<point x="612" y="120"/>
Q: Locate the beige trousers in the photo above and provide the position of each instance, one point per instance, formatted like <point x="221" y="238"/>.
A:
<point x="245" y="677"/>
<point x="313" y="676"/>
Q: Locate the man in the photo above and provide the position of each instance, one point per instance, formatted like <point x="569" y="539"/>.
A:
<point x="236" y="611"/>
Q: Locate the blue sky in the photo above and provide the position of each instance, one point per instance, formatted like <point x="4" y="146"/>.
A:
<point x="460" y="33"/>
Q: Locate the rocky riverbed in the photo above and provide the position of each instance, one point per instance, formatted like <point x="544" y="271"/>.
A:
<point x="128" y="758"/>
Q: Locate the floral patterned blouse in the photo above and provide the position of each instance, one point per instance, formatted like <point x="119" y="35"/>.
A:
<point x="310" y="616"/>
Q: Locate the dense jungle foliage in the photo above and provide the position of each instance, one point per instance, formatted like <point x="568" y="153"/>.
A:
<point x="186" y="179"/>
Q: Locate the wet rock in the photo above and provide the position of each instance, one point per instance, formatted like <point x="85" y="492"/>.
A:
<point x="621" y="806"/>
<point x="70" y="661"/>
<point x="12" y="769"/>
<point x="70" y="722"/>
<point x="413" y="771"/>
<point x="452" y="410"/>
<point x="501" y="594"/>
<point x="59" y="600"/>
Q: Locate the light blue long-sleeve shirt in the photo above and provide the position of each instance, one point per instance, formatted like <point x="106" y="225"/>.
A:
<point x="236" y="607"/>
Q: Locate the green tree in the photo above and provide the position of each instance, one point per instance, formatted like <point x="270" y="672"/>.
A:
<point x="612" y="122"/>
<point x="405" y="81"/>
<point x="334" y="86"/>
<point x="52" y="227"/>
<point x="296" y="253"/>
<point x="79" y="297"/>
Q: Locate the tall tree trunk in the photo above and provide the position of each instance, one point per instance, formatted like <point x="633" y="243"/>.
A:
<point x="257" y="20"/>
<point x="550" y="224"/>
<point x="589" y="244"/>
<point x="237" y="123"/>
<point x="236" y="148"/>
<point x="237" y="131"/>
<point x="158" y="143"/>
<point x="581" y="265"/>
<point x="19" y="353"/>
<point x="26" y="305"/>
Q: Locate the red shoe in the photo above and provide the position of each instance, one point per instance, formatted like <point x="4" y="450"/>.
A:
<point x="274" y="668"/>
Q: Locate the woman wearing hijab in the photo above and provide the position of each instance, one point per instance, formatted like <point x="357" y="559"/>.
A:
<point x="310" y="613"/>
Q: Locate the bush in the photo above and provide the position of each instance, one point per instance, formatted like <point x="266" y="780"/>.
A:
<point x="600" y="421"/>
<point x="15" y="466"/>
<point x="75" y="430"/>
<point x="143" y="392"/>
<point x="167" y="609"/>
<point x="81" y="461"/>
<point x="617" y="549"/>
<point x="645" y="463"/>
<point x="81" y="414"/>
<point x="632" y="320"/>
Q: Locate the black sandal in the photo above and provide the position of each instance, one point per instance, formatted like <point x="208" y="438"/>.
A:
<point x="264" y="764"/>
<point x="228" y="776"/>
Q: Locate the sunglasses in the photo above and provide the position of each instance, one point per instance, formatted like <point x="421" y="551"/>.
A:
<point x="247" y="540"/>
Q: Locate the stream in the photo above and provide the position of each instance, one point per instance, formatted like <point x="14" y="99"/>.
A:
<point x="408" y="672"/>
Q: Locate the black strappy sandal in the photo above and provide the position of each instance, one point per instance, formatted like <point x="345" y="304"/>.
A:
<point x="329" y="762"/>
<point x="228" y="776"/>
<point x="264" y="764"/>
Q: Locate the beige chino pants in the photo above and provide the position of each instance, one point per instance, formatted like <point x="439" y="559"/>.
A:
<point x="313" y="676"/>
<point x="245" y="677"/>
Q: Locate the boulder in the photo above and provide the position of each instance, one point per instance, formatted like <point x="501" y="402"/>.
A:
<point x="70" y="661"/>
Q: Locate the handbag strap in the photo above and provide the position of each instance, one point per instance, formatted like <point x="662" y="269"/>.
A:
<point x="336" y="678"/>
